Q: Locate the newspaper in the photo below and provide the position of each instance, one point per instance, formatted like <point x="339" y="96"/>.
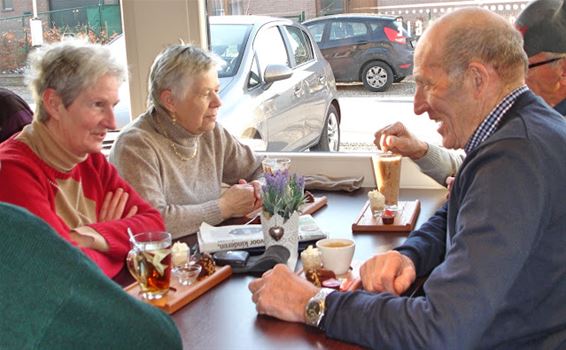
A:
<point x="216" y="238"/>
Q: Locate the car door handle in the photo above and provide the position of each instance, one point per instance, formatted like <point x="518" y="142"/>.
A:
<point x="321" y="79"/>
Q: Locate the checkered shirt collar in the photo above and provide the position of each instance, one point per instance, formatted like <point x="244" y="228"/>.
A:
<point x="489" y="125"/>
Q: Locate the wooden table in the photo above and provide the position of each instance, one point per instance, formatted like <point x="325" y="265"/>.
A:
<point x="225" y="317"/>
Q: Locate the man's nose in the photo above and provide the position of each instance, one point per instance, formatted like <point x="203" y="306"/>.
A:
<point x="419" y="102"/>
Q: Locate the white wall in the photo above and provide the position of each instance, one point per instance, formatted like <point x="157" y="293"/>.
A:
<point x="151" y="25"/>
<point x="354" y="165"/>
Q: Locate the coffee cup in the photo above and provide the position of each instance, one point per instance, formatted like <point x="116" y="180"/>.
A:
<point x="149" y="262"/>
<point x="336" y="254"/>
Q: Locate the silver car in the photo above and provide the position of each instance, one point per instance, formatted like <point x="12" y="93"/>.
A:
<point x="278" y="92"/>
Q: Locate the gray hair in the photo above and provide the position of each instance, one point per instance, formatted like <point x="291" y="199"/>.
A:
<point x="171" y="69"/>
<point x="498" y="44"/>
<point x="69" y="68"/>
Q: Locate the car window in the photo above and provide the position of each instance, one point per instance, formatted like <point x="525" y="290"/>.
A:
<point x="316" y="30"/>
<point x="347" y="30"/>
<point x="270" y="48"/>
<point x="375" y="25"/>
<point x="301" y="48"/>
<point x="228" y="41"/>
<point x="254" y="77"/>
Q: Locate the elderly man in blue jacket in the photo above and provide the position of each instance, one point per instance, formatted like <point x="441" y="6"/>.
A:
<point x="494" y="253"/>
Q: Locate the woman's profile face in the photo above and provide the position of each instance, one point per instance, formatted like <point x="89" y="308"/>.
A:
<point x="81" y="127"/>
<point x="197" y="111"/>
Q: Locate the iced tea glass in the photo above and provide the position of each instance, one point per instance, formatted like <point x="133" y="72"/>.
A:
<point x="387" y="169"/>
<point x="149" y="262"/>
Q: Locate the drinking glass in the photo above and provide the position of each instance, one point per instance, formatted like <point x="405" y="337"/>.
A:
<point x="271" y="165"/>
<point x="387" y="170"/>
<point x="149" y="261"/>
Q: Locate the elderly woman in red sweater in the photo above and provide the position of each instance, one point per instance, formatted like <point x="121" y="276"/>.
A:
<point x="54" y="167"/>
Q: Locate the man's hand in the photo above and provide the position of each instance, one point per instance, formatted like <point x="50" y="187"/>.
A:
<point x="388" y="272"/>
<point x="238" y="200"/>
<point x="114" y="205"/>
<point x="282" y="294"/>
<point x="397" y="139"/>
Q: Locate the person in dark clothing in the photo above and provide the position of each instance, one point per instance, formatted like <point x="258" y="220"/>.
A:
<point x="543" y="26"/>
<point x="494" y="253"/>
<point x="55" y="297"/>
<point x="15" y="113"/>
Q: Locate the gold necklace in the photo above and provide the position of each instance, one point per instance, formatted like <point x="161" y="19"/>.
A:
<point x="183" y="158"/>
<point x="174" y="147"/>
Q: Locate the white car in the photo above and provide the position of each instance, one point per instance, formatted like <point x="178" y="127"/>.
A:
<point x="278" y="91"/>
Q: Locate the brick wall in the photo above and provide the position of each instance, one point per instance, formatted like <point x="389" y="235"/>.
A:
<point x="280" y="8"/>
<point x="22" y="6"/>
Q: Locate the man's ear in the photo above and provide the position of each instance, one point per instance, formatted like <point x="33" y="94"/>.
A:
<point x="168" y="100"/>
<point x="52" y="103"/>
<point x="479" y="77"/>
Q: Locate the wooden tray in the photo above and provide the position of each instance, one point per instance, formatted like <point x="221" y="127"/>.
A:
<point x="179" y="295"/>
<point x="405" y="219"/>
<point x="254" y="216"/>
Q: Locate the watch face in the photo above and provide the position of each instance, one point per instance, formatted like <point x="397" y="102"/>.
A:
<point x="314" y="309"/>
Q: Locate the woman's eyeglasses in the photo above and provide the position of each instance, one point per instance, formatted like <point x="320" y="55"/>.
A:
<point x="533" y="65"/>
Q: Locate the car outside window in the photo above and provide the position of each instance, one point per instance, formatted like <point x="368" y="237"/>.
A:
<point x="300" y="45"/>
<point x="270" y="48"/>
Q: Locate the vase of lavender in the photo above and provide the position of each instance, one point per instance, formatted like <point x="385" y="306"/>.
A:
<point x="282" y="196"/>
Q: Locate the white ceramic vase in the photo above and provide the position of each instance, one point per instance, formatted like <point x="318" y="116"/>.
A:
<point x="277" y="231"/>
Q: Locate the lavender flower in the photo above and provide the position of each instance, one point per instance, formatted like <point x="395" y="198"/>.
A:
<point x="283" y="194"/>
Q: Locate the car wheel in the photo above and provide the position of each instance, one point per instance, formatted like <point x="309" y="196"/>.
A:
<point x="399" y="79"/>
<point x="377" y="76"/>
<point x="330" y="137"/>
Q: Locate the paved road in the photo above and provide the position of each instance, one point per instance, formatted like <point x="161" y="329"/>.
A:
<point x="365" y="112"/>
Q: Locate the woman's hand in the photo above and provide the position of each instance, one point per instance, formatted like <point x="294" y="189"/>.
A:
<point x="238" y="200"/>
<point x="114" y="205"/>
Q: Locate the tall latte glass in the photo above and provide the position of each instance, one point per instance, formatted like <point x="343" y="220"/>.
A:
<point x="387" y="169"/>
<point x="149" y="262"/>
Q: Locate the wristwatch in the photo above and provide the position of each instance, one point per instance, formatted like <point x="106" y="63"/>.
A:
<point x="314" y="310"/>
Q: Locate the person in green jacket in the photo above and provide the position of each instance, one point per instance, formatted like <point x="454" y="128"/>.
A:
<point x="52" y="296"/>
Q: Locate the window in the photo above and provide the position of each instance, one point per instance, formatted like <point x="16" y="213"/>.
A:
<point x="254" y="78"/>
<point x="300" y="45"/>
<point x="347" y="30"/>
<point x="317" y="30"/>
<point x="270" y="48"/>
<point x="7" y="5"/>
<point x="227" y="41"/>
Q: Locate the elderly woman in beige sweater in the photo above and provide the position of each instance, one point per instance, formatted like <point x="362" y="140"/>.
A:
<point x="177" y="156"/>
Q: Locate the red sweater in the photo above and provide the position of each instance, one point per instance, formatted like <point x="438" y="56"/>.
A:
<point x="29" y="182"/>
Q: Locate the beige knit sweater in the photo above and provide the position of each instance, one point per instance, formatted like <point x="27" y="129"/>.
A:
<point x="186" y="192"/>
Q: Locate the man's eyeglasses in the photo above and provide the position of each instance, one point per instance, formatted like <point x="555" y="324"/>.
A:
<point x="533" y="65"/>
